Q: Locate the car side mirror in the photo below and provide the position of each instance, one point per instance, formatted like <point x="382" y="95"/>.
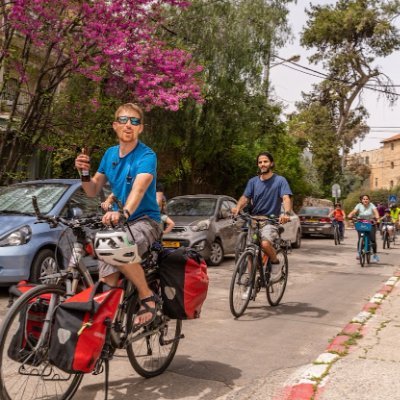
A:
<point x="76" y="212"/>
<point x="224" y="214"/>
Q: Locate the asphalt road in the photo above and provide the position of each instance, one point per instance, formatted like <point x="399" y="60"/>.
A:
<point x="219" y="354"/>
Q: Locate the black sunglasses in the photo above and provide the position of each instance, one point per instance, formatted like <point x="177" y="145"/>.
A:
<point x="124" y="120"/>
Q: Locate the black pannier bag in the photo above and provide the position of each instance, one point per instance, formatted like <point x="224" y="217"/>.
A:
<point x="184" y="283"/>
<point x="30" y="325"/>
<point x="80" y="327"/>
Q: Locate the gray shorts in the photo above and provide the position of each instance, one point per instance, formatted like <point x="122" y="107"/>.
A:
<point x="145" y="232"/>
<point x="269" y="232"/>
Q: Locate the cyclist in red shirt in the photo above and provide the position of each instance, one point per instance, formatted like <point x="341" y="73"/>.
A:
<point x="339" y="215"/>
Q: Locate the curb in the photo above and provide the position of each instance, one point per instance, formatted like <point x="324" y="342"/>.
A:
<point x="312" y="378"/>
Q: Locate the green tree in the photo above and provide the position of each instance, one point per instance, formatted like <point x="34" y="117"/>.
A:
<point x="348" y="38"/>
<point x="212" y="146"/>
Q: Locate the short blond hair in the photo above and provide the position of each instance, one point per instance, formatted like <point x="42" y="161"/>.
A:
<point x="130" y="106"/>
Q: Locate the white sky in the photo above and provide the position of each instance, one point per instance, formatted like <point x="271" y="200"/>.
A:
<point x="288" y="83"/>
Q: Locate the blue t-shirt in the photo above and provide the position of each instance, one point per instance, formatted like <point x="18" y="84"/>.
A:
<point x="266" y="196"/>
<point x="122" y="171"/>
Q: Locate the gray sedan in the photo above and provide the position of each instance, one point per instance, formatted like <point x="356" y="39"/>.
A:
<point x="203" y="223"/>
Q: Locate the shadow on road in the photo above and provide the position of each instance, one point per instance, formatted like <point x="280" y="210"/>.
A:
<point x="184" y="379"/>
<point x="305" y="310"/>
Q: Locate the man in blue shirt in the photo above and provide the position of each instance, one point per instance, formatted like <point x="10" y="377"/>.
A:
<point x="266" y="192"/>
<point x="130" y="168"/>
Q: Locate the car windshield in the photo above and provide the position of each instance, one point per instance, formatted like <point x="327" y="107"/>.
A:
<point x="17" y="199"/>
<point x="314" y="211"/>
<point x="197" y="207"/>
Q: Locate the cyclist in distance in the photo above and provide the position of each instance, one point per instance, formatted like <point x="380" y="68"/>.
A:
<point x="339" y="216"/>
<point x="367" y="210"/>
<point x="130" y="168"/>
<point x="394" y="213"/>
<point x="266" y="192"/>
<point x="388" y="219"/>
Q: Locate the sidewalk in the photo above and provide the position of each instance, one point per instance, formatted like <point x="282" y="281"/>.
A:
<point x="363" y="361"/>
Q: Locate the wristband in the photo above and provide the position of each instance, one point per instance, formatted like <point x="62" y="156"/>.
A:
<point x="287" y="213"/>
<point x="126" y="213"/>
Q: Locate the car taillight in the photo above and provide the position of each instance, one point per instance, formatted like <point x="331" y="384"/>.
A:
<point x="302" y="218"/>
<point x="325" y="220"/>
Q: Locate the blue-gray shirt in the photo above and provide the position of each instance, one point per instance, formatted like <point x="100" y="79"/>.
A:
<point x="266" y="196"/>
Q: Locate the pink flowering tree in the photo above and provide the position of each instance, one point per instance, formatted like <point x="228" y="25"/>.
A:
<point x="45" y="42"/>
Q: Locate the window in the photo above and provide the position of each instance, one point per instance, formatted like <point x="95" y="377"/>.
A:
<point x="88" y="205"/>
<point x="376" y="182"/>
<point x="367" y="160"/>
<point x="392" y="165"/>
<point x="391" y="184"/>
<point x="391" y="146"/>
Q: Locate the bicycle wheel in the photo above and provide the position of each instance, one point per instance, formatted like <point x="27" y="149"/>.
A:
<point x="242" y="283"/>
<point x="240" y="245"/>
<point x="153" y="347"/>
<point x="336" y="235"/>
<point x="386" y="239"/>
<point x="25" y="372"/>
<point x="276" y="288"/>
<point x="361" y="252"/>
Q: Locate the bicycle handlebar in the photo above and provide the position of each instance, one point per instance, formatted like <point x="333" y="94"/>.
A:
<point x="54" y="221"/>
<point x="248" y="217"/>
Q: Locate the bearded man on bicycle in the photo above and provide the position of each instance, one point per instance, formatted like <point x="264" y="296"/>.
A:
<point x="130" y="168"/>
<point x="266" y="192"/>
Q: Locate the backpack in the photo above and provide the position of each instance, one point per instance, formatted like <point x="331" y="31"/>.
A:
<point x="80" y="328"/>
<point x="184" y="283"/>
<point x="30" y="325"/>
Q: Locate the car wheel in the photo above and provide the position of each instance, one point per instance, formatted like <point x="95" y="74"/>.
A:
<point x="297" y="243"/>
<point x="43" y="264"/>
<point x="217" y="254"/>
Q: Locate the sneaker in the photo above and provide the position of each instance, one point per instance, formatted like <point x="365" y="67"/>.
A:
<point x="375" y="258"/>
<point x="246" y="294"/>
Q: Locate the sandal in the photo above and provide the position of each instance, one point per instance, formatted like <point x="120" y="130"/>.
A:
<point x="146" y="309"/>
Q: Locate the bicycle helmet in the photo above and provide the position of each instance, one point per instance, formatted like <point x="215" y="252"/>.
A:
<point x="116" y="247"/>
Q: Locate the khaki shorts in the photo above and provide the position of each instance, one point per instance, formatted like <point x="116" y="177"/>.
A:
<point x="269" y="232"/>
<point x="145" y="232"/>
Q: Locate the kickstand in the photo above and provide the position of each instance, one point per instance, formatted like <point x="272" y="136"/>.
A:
<point x="106" y="373"/>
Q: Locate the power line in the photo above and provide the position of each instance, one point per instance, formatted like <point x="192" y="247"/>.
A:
<point x="325" y="76"/>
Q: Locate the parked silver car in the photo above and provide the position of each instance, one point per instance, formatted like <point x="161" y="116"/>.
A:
<point x="203" y="223"/>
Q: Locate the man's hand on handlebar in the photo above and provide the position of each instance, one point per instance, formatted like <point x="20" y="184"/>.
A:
<point x="112" y="218"/>
<point x="283" y="218"/>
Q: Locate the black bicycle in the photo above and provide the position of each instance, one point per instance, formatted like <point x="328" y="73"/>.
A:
<point x="386" y="237"/>
<point x="150" y="349"/>
<point x="254" y="271"/>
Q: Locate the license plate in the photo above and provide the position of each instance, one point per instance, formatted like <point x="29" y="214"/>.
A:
<point x="171" y="244"/>
<point x="311" y="229"/>
<point x="312" y="220"/>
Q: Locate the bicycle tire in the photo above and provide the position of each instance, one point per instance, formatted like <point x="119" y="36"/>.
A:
<point x="385" y="235"/>
<point x="243" y="277"/>
<point x="146" y="353"/>
<point x="276" y="289"/>
<point x="240" y="245"/>
<point x="388" y="241"/>
<point x="336" y="235"/>
<point x="361" y="252"/>
<point x="31" y="376"/>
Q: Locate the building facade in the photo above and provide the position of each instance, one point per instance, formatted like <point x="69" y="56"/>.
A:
<point x="384" y="164"/>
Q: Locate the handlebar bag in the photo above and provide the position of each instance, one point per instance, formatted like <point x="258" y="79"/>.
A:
<point x="184" y="283"/>
<point x="80" y="328"/>
<point x="30" y="325"/>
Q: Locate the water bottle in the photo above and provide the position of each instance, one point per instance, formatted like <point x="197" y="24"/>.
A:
<point x="85" y="174"/>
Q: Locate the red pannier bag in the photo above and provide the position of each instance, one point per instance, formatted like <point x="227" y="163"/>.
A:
<point x="79" y="330"/>
<point x="30" y="324"/>
<point x="184" y="283"/>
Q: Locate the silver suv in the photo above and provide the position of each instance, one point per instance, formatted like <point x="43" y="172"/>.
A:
<point x="203" y="222"/>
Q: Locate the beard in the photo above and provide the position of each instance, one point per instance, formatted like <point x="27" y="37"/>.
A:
<point x="263" y="171"/>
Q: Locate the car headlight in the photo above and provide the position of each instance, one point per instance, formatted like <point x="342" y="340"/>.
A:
<point x="18" y="237"/>
<point x="200" y="226"/>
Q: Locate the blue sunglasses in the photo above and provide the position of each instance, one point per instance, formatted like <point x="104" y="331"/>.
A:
<point x="124" y="120"/>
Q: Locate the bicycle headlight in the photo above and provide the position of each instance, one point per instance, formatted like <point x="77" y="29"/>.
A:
<point x="200" y="226"/>
<point x="17" y="237"/>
